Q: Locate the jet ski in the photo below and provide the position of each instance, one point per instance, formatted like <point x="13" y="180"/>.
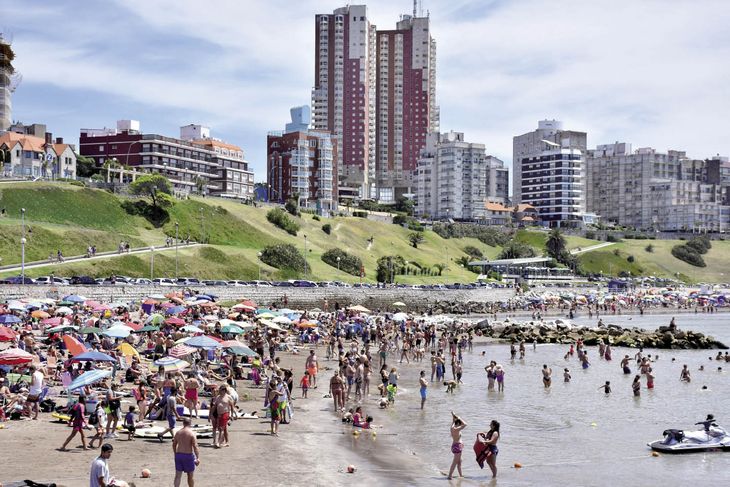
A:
<point x="679" y="441"/>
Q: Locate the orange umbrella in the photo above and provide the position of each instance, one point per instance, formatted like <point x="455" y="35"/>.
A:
<point x="306" y="324"/>
<point x="40" y="314"/>
<point x="73" y="346"/>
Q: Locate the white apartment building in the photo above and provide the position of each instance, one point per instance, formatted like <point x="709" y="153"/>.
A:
<point x="648" y="190"/>
<point x="454" y="179"/>
<point x="548" y="172"/>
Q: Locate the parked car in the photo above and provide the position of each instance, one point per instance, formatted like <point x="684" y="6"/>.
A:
<point x="303" y="283"/>
<point x="163" y="281"/>
<point x="17" y="280"/>
<point x="141" y="281"/>
<point x="83" y="281"/>
<point x="260" y="283"/>
<point x="215" y="283"/>
<point x="52" y="281"/>
<point x="237" y="283"/>
<point x="188" y="281"/>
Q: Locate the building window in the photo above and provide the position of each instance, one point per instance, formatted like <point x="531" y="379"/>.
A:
<point x="101" y="147"/>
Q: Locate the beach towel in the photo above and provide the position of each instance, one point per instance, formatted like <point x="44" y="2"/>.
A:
<point x="481" y="450"/>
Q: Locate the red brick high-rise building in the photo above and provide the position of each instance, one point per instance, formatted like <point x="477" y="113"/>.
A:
<point x="375" y="93"/>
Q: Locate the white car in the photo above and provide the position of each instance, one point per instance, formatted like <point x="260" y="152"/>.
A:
<point x="163" y="281"/>
<point x="51" y="281"/>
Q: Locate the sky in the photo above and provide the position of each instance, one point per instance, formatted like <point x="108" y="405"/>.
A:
<point x="651" y="72"/>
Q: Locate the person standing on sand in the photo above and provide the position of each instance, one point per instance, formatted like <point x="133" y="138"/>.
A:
<point x="225" y="408"/>
<point x="187" y="455"/>
<point x="312" y="365"/>
<point x="457" y="446"/>
<point x="336" y="390"/>
<point x="170" y="413"/>
<point x="78" y="423"/>
<point x="424" y="386"/>
<point x="274" y="397"/>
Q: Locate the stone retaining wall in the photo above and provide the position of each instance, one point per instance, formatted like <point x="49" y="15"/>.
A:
<point x="297" y="297"/>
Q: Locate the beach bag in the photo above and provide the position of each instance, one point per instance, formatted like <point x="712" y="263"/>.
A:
<point x="48" y="405"/>
<point x="94" y="418"/>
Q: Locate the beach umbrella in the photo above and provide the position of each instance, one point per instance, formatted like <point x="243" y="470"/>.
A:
<point x="191" y="329"/>
<point x="271" y="325"/>
<point x="90" y="330"/>
<point x="230" y="343"/>
<point x="119" y="304"/>
<point x="40" y="314"/>
<point x="134" y="326"/>
<point x="175" y="310"/>
<point x="118" y="332"/>
<point x="64" y="310"/>
<point x="7" y="334"/>
<point x="9" y="319"/>
<point x="241" y="350"/>
<point x="202" y="341"/>
<point x="359" y="308"/>
<point x="233" y="329"/>
<point x="306" y="324"/>
<point x="266" y="316"/>
<point x="400" y="317"/>
<point x="249" y="302"/>
<point x="157" y="297"/>
<point x="127" y="350"/>
<point x="91" y="303"/>
<point x="74" y="298"/>
<point x="282" y="320"/>
<point x="170" y="364"/>
<point x="399" y="304"/>
<point x="179" y="351"/>
<point x="175" y="321"/>
<point x="147" y="328"/>
<point x="205" y="297"/>
<point x="15" y="356"/>
<point x="62" y="327"/>
<point x="52" y="321"/>
<point x="243" y="307"/>
<point x="93" y="356"/>
<point x="73" y="346"/>
<point x="155" y="319"/>
<point x="88" y="378"/>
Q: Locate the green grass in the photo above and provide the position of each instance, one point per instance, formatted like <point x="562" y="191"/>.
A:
<point x="67" y="204"/>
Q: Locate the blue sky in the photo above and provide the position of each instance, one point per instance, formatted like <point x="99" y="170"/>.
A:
<point x="653" y="73"/>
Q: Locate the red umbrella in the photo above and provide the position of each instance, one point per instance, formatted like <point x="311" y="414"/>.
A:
<point x="7" y="334"/>
<point x="248" y="302"/>
<point x="231" y="343"/>
<point x="175" y="321"/>
<point x="134" y="326"/>
<point x="15" y="356"/>
<point x="244" y="307"/>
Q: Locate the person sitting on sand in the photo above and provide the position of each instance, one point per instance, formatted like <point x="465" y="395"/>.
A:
<point x="360" y="420"/>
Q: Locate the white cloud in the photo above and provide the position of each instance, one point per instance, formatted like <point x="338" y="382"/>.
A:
<point x="651" y="72"/>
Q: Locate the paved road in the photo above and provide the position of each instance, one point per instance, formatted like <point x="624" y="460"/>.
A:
<point x="99" y="255"/>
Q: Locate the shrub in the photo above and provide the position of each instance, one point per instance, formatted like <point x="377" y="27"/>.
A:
<point x="491" y="236"/>
<point x="473" y="252"/>
<point x="360" y="214"/>
<point x="591" y="235"/>
<point x="611" y="238"/>
<point x="400" y="219"/>
<point x="348" y="263"/>
<point x="327" y="228"/>
<point x="630" y="259"/>
<point x="689" y="255"/>
<point x="700" y="244"/>
<point x="649" y="248"/>
<point x="278" y="217"/>
<point x="616" y="252"/>
<point x="315" y="218"/>
<point x="291" y="207"/>
<point x="283" y="256"/>
<point x="516" y="250"/>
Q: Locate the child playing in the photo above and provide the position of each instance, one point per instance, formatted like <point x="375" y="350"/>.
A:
<point x="129" y="424"/>
<point x="304" y="383"/>
<point x="566" y="375"/>
<point x="98" y="419"/>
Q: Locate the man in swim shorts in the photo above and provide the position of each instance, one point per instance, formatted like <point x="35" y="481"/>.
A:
<point x="187" y="455"/>
<point x="424" y="386"/>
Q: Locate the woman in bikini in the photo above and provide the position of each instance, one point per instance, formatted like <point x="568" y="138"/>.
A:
<point x="457" y="446"/>
<point x="490" y="439"/>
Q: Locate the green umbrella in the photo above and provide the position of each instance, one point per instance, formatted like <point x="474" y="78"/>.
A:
<point x="90" y="329"/>
<point x="61" y="328"/>
<point x="148" y="328"/>
<point x="242" y="350"/>
<point x="236" y="330"/>
<point x="155" y="319"/>
<point x="66" y="303"/>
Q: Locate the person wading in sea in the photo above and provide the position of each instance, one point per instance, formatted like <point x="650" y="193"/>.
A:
<point x="457" y="446"/>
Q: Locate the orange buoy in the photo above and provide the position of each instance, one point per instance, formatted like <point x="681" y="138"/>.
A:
<point x="518" y="465"/>
<point x="146" y="473"/>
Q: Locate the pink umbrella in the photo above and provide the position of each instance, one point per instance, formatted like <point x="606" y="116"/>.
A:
<point x="15" y="356"/>
<point x="91" y="303"/>
<point x="52" y="321"/>
<point x="175" y="321"/>
<point x="7" y="334"/>
<point x="181" y="350"/>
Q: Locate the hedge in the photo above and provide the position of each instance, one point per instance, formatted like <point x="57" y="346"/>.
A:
<point x="278" y="217"/>
<point x="348" y="263"/>
<point x="283" y="256"/>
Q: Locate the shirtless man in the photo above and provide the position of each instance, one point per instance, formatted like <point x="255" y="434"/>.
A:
<point x="457" y="446"/>
<point x="312" y="365"/>
<point x="187" y="455"/>
<point x="547" y="373"/>
<point x="625" y="364"/>
<point x="684" y="375"/>
<point x="433" y="364"/>
<point x="225" y="408"/>
<point x="424" y="387"/>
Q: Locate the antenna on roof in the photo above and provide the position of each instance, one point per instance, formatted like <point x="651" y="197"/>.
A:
<point x="415" y="7"/>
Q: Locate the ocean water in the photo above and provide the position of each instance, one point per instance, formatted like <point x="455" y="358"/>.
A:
<point x="570" y="434"/>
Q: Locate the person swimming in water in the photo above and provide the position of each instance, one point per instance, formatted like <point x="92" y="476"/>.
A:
<point x="606" y="387"/>
<point x="547" y="372"/>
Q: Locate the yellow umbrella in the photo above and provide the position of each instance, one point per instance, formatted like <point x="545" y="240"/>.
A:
<point x="399" y="303"/>
<point x="128" y="350"/>
<point x="40" y="314"/>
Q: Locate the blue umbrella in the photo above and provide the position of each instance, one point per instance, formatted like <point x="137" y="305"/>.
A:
<point x="175" y="310"/>
<point x="207" y="297"/>
<point x="88" y="378"/>
<point x="93" y="356"/>
<point x="203" y="342"/>
<point x="8" y="319"/>
<point x="117" y="332"/>
<point x="74" y="298"/>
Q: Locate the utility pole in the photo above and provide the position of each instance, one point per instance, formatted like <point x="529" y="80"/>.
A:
<point x="177" y="228"/>
<point x="152" y="263"/>
<point x="22" y="246"/>
<point x="202" y="227"/>
<point x="305" y="256"/>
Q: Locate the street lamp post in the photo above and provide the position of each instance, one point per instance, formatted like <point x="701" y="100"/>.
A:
<point x="338" y="263"/>
<point x="305" y="256"/>
<point x="202" y="227"/>
<point x="260" y="254"/>
<point x="22" y="245"/>
<point x="177" y="228"/>
<point x="152" y="263"/>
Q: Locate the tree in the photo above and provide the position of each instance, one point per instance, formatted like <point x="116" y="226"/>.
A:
<point x="516" y="250"/>
<point x="85" y="166"/>
<point x="441" y="268"/>
<point x="415" y="238"/>
<point x="150" y="185"/>
<point x="404" y="205"/>
<point x="555" y="245"/>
